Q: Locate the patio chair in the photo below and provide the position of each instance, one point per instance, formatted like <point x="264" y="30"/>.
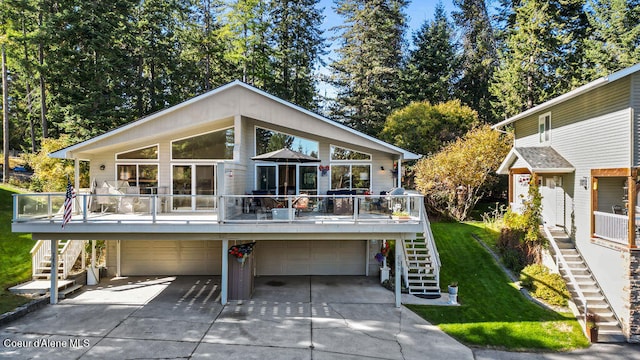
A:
<point x="301" y="203"/>
<point x="617" y="209"/>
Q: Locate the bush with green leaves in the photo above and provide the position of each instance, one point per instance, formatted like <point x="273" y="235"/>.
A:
<point x="544" y="285"/>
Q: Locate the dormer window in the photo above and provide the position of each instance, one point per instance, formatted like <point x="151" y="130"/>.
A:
<point x="544" y="128"/>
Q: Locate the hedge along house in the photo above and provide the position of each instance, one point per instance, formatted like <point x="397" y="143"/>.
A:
<point x="171" y="192"/>
<point x="584" y="149"/>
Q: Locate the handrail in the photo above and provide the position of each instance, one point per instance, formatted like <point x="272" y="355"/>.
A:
<point x="69" y="253"/>
<point x="38" y="253"/>
<point x="405" y="263"/>
<point x="430" y="241"/>
<point x="572" y="280"/>
<point x="147" y="208"/>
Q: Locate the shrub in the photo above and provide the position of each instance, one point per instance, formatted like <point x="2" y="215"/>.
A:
<point x="545" y="285"/>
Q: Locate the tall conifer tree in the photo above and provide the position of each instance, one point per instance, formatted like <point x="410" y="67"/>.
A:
<point x="367" y="70"/>
<point x="479" y="56"/>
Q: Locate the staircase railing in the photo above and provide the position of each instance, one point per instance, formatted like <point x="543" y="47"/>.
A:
<point x="405" y="264"/>
<point x="562" y="263"/>
<point x="69" y="253"/>
<point x="40" y="250"/>
<point x="431" y="243"/>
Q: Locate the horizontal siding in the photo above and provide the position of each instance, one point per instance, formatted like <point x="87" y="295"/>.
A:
<point x="635" y="105"/>
<point x="597" y="103"/>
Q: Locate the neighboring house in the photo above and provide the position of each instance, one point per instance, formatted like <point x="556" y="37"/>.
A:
<point x="584" y="148"/>
<point x="173" y="191"/>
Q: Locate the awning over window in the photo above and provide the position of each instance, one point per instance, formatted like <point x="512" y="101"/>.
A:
<point x="542" y="159"/>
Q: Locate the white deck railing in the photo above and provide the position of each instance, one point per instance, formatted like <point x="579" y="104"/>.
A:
<point x="612" y="227"/>
<point x="154" y="208"/>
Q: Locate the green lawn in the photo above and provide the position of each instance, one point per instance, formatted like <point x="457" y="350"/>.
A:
<point x="493" y="313"/>
<point x="15" y="260"/>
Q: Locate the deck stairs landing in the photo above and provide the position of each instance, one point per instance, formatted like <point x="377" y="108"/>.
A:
<point x="608" y="324"/>
<point x="68" y="253"/>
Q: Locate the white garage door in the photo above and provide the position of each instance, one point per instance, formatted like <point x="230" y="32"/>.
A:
<point x="156" y="257"/>
<point x="310" y="257"/>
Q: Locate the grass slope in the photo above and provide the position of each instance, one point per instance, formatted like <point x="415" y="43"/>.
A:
<point x="15" y="259"/>
<point x="493" y="313"/>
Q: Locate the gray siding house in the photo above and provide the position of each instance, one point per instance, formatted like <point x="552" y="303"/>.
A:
<point x="584" y="149"/>
<point x="172" y="192"/>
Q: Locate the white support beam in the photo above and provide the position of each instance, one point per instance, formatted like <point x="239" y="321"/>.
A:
<point x="225" y="273"/>
<point x="54" y="273"/>
<point x="118" y="273"/>
<point x="398" y="270"/>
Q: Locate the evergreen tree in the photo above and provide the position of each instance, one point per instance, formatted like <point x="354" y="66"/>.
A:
<point x="298" y="43"/>
<point x="479" y="56"/>
<point x="432" y="66"/>
<point x="245" y="33"/>
<point x="614" y="40"/>
<point x="368" y="66"/>
<point x="85" y="65"/>
<point x="528" y="59"/>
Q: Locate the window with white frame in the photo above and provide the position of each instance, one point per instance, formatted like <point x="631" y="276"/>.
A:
<point x="139" y="168"/>
<point x="544" y="128"/>
<point x="350" y="169"/>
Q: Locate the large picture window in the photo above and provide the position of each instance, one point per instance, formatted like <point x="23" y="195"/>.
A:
<point x="351" y="176"/>
<point x="143" y="176"/>
<point x="270" y="140"/>
<point x="216" y="145"/>
<point x="340" y="153"/>
<point x="148" y="153"/>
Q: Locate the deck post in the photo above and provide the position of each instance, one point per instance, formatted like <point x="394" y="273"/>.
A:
<point x="398" y="271"/>
<point x="225" y="272"/>
<point x="54" y="273"/>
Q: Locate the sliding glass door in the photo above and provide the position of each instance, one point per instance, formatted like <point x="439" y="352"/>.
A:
<point x="188" y="180"/>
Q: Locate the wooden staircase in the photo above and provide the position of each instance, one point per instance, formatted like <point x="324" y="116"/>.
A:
<point x="421" y="262"/>
<point x="422" y="275"/>
<point x="68" y="253"/>
<point x="592" y="297"/>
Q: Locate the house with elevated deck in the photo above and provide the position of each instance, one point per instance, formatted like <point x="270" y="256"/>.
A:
<point x="173" y="192"/>
<point x="583" y="148"/>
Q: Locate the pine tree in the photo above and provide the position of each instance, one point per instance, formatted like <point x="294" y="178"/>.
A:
<point x="614" y="41"/>
<point x="368" y="66"/>
<point x="245" y="33"/>
<point x="298" y="43"/>
<point x="432" y="65"/>
<point x="479" y="56"/>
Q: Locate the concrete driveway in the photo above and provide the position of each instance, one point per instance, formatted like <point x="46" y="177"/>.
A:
<point x="301" y="317"/>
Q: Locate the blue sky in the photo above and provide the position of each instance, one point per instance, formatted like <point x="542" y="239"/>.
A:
<point x="418" y="12"/>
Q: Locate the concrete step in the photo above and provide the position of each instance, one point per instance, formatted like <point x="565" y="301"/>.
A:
<point x="39" y="287"/>
<point x="68" y="291"/>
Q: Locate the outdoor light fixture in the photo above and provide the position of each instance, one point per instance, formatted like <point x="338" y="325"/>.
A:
<point x="102" y="167"/>
<point x="382" y="168"/>
<point x="584" y="182"/>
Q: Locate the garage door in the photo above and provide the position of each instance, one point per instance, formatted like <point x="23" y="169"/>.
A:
<point x="141" y="257"/>
<point x="310" y="257"/>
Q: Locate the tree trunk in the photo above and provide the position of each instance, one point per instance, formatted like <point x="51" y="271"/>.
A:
<point x="5" y="118"/>
<point x="43" y="96"/>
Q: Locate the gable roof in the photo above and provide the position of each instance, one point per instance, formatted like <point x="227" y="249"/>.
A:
<point x="571" y="94"/>
<point x="66" y="152"/>
<point x="543" y="159"/>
